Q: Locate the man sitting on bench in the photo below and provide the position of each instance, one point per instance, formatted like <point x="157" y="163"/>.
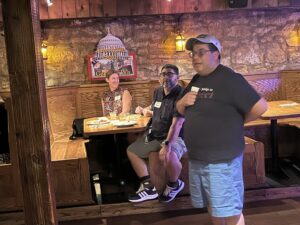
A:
<point x="164" y="136"/>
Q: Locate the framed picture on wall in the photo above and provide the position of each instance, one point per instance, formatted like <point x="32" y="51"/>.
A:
<point x="97" y="68"/>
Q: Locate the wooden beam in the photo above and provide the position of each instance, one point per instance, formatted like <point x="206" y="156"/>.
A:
<point x="69" y="8"/>
<point x="1" y="18"/>
<point x="283" y="2"/>
<point x="82" y="8"/>
<point x="96" y="8"/>
<point x="44" y="15"/>
<point x="55" y="11"/>
<point x="191" y="6"/>
<point x="150" y="7"/>
<point x="295" y="2"/>
<point x="110" y="7"/>
<point x="178" y="6"/>
<point x="27" y="85"/>
<point x="264" y="3"/>
<point x="137" y="7"/>
<point x="123" y="8"/>
<point x="165" y="7"/>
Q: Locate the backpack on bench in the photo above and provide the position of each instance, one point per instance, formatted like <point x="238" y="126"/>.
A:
<point x="77" y="128"/>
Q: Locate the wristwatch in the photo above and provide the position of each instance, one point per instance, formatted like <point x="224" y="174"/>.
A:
<point x="165" y="143"/>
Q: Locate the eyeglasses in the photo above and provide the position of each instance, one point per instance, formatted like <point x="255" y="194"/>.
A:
<point x="167" y="74"/>
<point x="199" y="53"/>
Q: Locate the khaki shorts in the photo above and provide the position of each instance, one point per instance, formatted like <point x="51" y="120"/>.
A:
<point x="142" y="148"/>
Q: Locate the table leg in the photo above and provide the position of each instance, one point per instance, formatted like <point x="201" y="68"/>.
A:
<point x="119" y="161"/>
<point x="276" y="170"/>
<point x="274" y="145"/>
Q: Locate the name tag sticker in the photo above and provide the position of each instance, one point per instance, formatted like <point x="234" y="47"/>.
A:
<point x="118" y="97"/>
<point x="195" y="89"/>
<point x="157" y="104"/>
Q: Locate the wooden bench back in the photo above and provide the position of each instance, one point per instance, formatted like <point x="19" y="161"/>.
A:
<point x="266" y="84"/>
<point x="290" y="85"/>
<point x="89" y="96"/>
<point x="61" y="111"/>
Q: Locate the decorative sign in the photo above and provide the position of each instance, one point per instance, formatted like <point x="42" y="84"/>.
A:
<point x="97" y="68"/>
<point x="111" y="54"/>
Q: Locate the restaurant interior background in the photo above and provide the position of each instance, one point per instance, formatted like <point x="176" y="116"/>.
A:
<point x="253" y="40"/>
<point x="258" y="40"/>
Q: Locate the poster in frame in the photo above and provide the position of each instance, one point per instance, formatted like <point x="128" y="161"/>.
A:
<point x="97" y="68"/>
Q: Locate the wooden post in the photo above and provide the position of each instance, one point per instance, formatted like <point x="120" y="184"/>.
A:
<point x="27" y="85"/>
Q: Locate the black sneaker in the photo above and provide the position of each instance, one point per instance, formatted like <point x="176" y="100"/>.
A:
<point x="143" y="194"/>
<point x="170" y="192"/>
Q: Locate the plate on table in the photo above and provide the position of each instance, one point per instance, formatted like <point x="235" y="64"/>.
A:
<point x="125" y="123"/>
<point x="99" y="121"/>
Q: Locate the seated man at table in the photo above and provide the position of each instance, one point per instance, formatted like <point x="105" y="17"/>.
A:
<point x="164" y="136"/>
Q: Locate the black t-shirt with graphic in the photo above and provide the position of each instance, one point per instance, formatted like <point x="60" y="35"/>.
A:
<point x="214" y="125"/>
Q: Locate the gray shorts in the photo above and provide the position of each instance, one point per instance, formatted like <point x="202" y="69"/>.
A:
<point x="142" y="149"/>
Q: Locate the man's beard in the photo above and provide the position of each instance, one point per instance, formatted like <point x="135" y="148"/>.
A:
<point x="169" y="84"/>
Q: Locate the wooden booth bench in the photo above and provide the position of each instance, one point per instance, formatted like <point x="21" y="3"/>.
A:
<point x="282" y="85"/>
<point x="71" y="177"/>
<point x="71" y="173"/>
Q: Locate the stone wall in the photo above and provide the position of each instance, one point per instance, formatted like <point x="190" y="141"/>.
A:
<point x="254" y="41"/>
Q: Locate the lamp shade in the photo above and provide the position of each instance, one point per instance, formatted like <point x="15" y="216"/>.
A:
<point x="180" y="43"/>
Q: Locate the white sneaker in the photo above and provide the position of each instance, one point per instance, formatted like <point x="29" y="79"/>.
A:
<point x="143" y="194"/>
<point x="170" y="192"/>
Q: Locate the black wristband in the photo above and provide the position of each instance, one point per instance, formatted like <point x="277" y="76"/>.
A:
<point x="165" y="143"/>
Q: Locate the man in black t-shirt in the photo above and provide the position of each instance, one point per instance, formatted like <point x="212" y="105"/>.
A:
<point x="216" y="104"/>
<point x="164" y="136"/>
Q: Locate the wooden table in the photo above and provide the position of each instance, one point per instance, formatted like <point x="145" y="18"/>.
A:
<point x="102" y="129"/>
<point x="111" y="129"/>
<point x="279" y="110"/>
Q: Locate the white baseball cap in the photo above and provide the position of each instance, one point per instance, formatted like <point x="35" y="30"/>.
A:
<point x="203" y="38"/>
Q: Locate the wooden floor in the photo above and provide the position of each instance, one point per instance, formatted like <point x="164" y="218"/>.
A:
<point x="271" y="212"/>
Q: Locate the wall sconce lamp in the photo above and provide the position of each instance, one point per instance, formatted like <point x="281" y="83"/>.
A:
<point x="180" y="43"/>
<point x="179" y="40"/>
<point x="49" y="2"/>
<point x="44" y="50"/>
<point x="294" y="37"/>
<point x="298" y="33"/>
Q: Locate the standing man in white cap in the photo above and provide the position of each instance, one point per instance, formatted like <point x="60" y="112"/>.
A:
<point x="216" y="104"/>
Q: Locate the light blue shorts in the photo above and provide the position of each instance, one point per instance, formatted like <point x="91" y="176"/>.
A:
<point x="219" y="186"/>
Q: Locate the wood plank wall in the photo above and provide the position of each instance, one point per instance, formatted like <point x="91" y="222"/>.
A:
<point x="64" y="9"/>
